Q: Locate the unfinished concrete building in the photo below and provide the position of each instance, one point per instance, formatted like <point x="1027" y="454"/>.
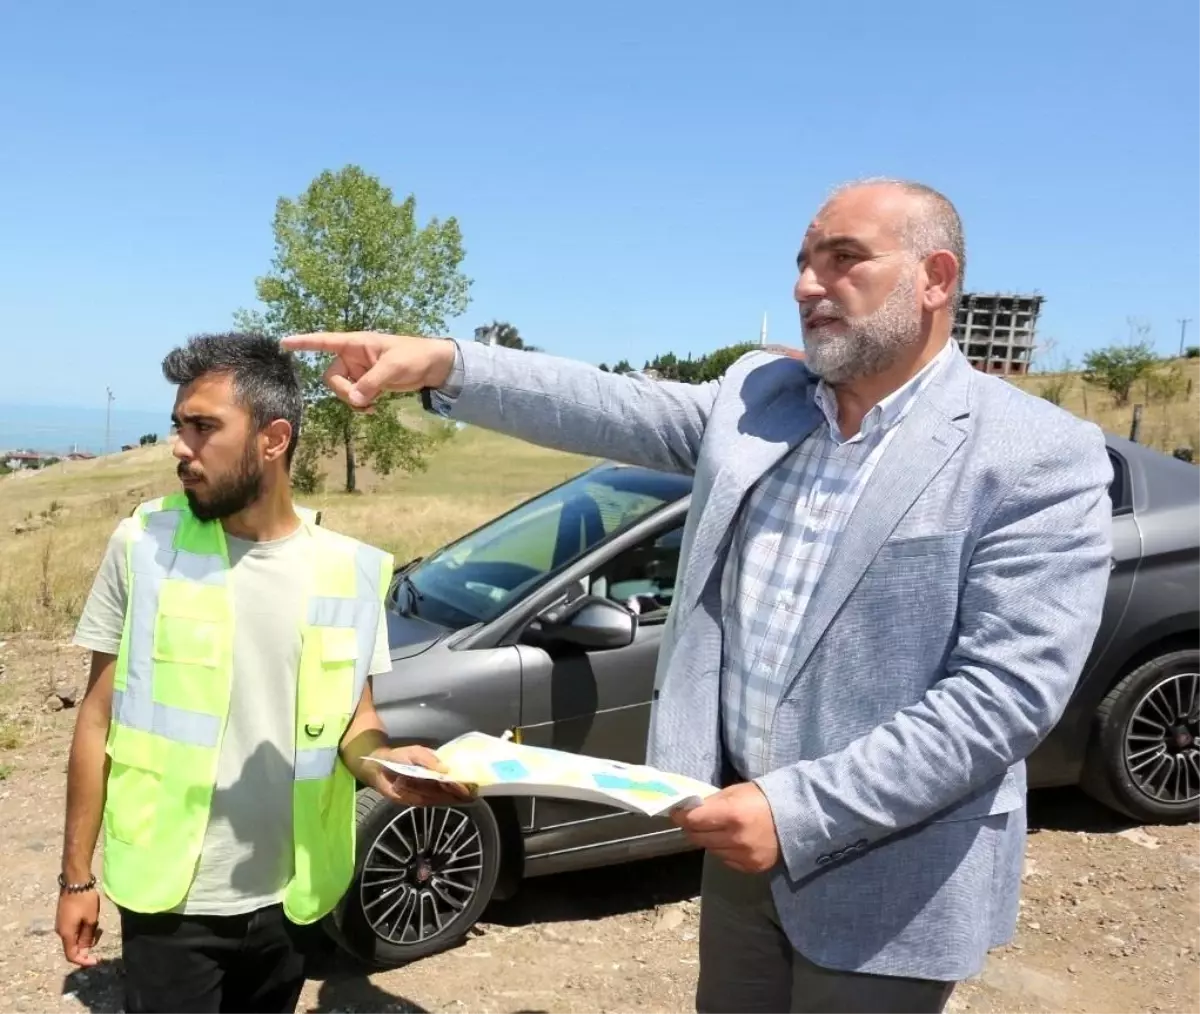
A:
<point x="996" y="330"/>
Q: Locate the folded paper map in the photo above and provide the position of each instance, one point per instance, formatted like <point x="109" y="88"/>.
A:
<point x="496" y="766"/>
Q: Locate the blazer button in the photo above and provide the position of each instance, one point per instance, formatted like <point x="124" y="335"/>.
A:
<point x="824" y="860"/>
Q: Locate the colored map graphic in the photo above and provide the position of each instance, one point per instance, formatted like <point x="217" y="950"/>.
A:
<point x="499" y="766"/>
<point x="620" y="783"/>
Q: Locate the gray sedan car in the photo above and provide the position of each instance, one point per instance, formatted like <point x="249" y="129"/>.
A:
<point x="547" y="621"/>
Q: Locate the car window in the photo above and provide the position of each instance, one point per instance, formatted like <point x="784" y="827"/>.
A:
<point x="474" y="579"/>
<point x="1117" y="491"/>
<point x="643" y="577"/>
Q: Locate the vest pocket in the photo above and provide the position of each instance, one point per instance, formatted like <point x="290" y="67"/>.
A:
<point x="324" y="706"/>
<point x="339" y="659"/>
<point x="187" y="641"/>
<point x="134" y="785"/>
<point x="190" y="623"/>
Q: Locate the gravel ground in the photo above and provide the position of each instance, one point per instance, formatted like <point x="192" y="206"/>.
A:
<point x="1110" y="918"/>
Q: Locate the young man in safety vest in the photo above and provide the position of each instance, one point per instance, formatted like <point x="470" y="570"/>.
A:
<point x="228" y="710"/>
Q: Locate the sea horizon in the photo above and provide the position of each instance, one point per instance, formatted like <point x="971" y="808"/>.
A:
<point x="62" y="429"/>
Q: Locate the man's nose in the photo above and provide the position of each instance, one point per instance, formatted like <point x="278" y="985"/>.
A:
<point x="180" y="449"/>
<point x="808" y="287"/>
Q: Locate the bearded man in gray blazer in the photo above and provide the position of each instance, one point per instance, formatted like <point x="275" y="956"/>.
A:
<point x="893" y="570"/>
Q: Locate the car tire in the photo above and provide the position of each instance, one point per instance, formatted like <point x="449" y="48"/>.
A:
<point x="1139" y="763"/>
<point x="397" y="911"/>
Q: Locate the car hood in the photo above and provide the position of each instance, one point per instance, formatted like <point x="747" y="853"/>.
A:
<point x="411" y="635"/>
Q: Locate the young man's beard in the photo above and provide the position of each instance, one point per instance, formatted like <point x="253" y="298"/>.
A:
<point x="233" y="493"/>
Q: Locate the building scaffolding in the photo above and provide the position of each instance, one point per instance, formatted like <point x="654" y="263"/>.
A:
<point x="997" y="331"/>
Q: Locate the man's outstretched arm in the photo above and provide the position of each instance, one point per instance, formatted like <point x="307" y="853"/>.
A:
<point x="546" y="400"/>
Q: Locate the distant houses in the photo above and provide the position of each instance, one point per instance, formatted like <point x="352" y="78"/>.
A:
<point x="17" y="461"/>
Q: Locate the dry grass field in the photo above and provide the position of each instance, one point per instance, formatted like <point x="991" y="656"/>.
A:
<point x="1170" y="400"/>
<point x="54" y="524"/>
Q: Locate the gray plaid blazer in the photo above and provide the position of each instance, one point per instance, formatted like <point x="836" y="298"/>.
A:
<point x="941" y="646"/>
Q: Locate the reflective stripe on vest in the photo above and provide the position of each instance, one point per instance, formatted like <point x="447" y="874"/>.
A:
<point x="154" y="560"/>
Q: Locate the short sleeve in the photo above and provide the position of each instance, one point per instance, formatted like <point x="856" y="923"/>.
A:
<point x="103" y="618"/>
<point x="381" y="660"/>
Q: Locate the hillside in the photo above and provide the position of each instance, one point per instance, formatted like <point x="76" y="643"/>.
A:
<point x="54" y="523"/>
<point x="1170" y="419"/>
<point x="69" y="510"/>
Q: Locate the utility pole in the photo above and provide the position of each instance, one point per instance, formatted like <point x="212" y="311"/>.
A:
<point x="107" y="418"/>
<point x="1183" y="323"/>
<point x="762" y="333"/>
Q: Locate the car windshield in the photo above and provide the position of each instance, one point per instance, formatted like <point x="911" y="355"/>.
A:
<point x="474" y="579"/>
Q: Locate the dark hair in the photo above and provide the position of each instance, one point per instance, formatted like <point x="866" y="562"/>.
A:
<point x="266" y="381"/>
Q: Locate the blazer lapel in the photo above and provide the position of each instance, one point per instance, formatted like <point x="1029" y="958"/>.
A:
<point x="770" y="428"/>
<point x="929" y="435"/>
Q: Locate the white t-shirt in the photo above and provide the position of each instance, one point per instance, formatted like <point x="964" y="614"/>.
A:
<point x="246" y="860"/>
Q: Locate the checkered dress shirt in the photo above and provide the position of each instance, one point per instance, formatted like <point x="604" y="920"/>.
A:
<point x="783" y="539"/>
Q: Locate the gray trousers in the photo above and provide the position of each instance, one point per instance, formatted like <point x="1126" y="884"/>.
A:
<point x="747" y="965"/>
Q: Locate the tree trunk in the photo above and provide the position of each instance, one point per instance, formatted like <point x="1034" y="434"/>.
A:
<point x="348" y="439"/>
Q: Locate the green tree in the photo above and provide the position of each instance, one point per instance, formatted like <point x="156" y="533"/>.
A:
<point x="1118" y="367"/>
<point x="148" y="438"/>
<point x="348" y="257"/>
<point x="715" y="364"/>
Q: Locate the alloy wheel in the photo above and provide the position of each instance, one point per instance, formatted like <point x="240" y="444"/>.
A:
<point x="421" y="872"/>
<point x="1162" y="740"/>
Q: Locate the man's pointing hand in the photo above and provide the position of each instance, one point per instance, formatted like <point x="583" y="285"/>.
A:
<point x="366" y="364"/>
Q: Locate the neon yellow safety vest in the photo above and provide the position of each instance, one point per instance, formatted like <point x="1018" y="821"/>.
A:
<point x="171" y="698"/>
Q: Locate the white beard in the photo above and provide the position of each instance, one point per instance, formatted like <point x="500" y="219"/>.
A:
<point x="867" y="345"/>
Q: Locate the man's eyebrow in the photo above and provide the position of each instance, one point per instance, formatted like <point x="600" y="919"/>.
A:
<point x="848" y="243"/>
<point x="178" y="418"/>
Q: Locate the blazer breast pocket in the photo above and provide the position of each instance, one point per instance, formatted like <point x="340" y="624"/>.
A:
<point x="912" y="585"/>
<point x="946" y="545"/>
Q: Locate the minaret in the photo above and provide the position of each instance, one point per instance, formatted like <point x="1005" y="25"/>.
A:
<point x="762" y="334"/>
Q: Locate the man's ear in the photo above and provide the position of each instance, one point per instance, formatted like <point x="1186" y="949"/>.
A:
<point x="278" y="434"/>
<point x="941" y="279"/>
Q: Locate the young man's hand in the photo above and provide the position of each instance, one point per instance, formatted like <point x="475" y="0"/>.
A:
<point x="413" y="791"/>
<point x="77" y="924"/>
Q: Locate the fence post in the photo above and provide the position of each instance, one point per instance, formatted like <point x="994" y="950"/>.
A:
<point x="1135" y="430"/>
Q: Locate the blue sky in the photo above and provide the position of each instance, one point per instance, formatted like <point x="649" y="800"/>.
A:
<point x="630" y="177"/>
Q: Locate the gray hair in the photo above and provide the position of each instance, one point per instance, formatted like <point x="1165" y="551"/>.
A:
<point x="936" y="226"/>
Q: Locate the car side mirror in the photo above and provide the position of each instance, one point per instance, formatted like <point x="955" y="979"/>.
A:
<point x="590" y="622"/>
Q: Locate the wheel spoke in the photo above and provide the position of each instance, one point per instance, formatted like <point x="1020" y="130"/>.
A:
<point x="1139" y="760"/>
<point x="1163" y="714"/>
<point x="455" y="903"/>
<point x="1191" y="775"/>
<point x="380" y="880"/>
<point x="1156" y="728"/>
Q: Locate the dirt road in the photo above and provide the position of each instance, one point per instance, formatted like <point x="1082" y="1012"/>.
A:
<point x="1110" y="919"/>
